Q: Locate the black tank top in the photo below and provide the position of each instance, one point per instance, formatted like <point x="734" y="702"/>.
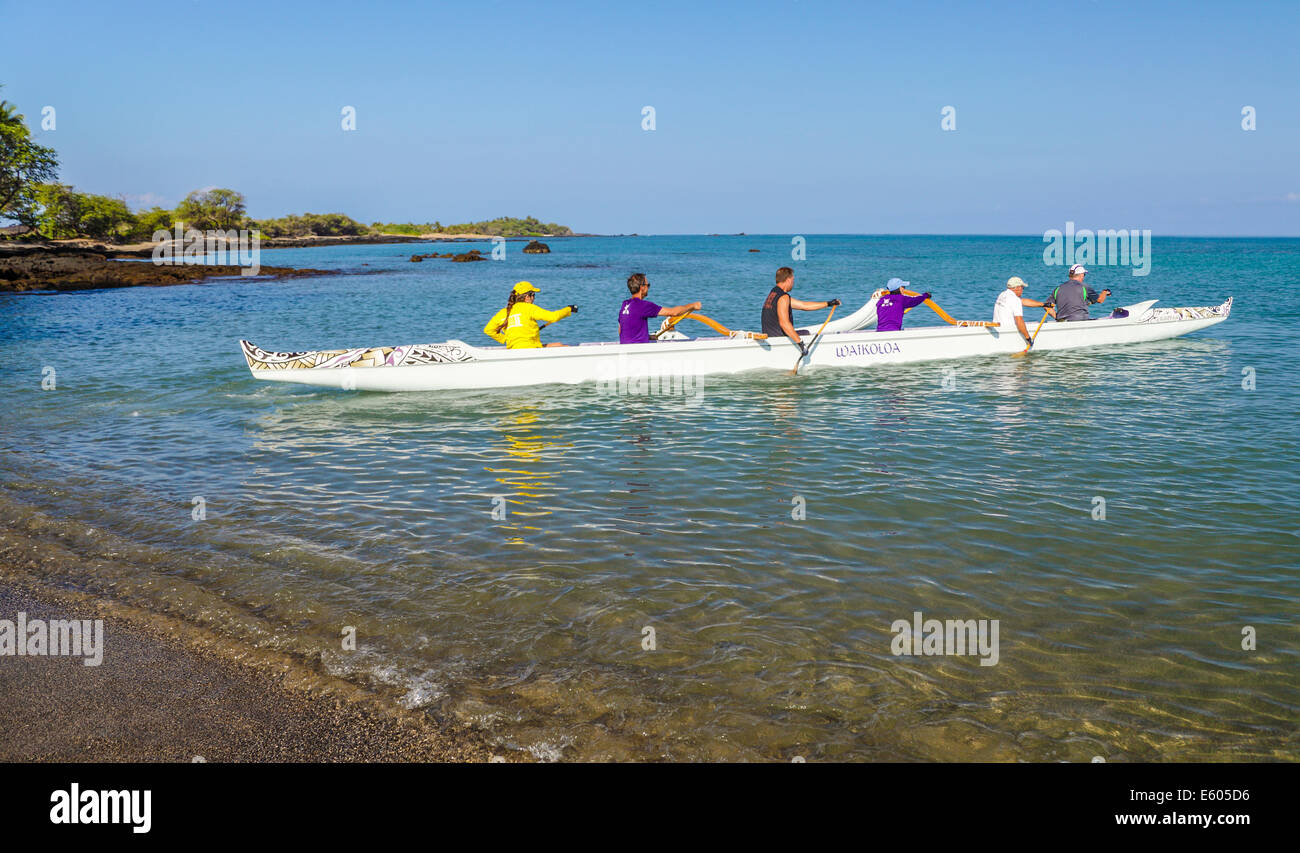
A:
<point x="771" y="320"/>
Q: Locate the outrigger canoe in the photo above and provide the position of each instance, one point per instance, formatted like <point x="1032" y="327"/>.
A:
<point x="456" y="365"/>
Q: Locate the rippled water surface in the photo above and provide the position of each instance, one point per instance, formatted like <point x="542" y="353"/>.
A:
<point x="770" y="530"/>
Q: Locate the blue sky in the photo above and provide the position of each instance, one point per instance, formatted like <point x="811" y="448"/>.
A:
<point x="792" y="117"/>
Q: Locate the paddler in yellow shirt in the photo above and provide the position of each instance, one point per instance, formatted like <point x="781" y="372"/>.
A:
<point x="517" y="324"/>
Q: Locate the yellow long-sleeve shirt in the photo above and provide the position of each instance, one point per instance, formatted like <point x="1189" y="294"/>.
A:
<point x="522" y="332"/>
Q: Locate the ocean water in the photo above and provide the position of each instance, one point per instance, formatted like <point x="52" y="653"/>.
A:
<point x="765" y="534"/>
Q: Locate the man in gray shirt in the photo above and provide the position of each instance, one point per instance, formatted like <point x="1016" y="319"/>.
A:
<point x="1072" y="299"/>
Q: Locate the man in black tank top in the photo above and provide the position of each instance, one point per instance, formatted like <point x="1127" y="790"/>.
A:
<point x="777" y="322"/>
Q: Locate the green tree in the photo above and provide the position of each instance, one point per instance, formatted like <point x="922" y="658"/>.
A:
<point x="151" y="220"/>
<point x="313" y="224"/>
<point x="508" y="226"/>
<point x="212" y="209"/>
<point x="24" y="166"/>
<point x="103" y="217"/>
<point x="56" y="211"/>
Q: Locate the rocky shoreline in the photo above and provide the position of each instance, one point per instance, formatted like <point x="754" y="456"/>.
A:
<point x="27" y="267"/>
<point x="66" y="265"/>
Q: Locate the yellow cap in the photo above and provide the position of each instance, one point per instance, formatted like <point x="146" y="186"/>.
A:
<point x="1014" y="282"/>
<point x="525" y="287"/>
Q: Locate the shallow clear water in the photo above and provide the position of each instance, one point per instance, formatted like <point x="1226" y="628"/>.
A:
<point x="1118" y="637"/>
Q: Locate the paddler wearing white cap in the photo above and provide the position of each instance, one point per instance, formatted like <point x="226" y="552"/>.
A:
<point x="1009" y="311"/>
<point x="516" y="325"/>
<point x="1071" y="299"/>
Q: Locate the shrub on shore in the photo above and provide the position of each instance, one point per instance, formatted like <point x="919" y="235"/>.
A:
<point x="502" y="226"/>
<point x="409" y="229"/>
<point x="311" y="225"/>
<point x="507" y="226"/>
<point x="61" y="211"/>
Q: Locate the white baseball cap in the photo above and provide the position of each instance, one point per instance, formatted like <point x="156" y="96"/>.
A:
<point x="1015" y="281"/>
<point x="1076" y="269"/>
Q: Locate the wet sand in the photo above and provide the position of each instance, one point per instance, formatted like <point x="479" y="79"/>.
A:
<point x="157" y="698"/>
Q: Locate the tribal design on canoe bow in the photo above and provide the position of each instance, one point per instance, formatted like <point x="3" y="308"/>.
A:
<point x="1166" y="315"/>
<point x="401" y="356"/>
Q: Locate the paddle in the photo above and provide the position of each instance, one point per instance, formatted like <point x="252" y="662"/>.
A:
<point x="711" y="323"/>
<point x="944" y="315"/>
<point x="672" y="321"/>
<point x="814" y="341"/>
<point x="1031" y="340"/>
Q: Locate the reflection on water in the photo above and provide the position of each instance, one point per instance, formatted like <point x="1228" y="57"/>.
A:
<point x="530" y="485"/>
<point x="637" y="470"/>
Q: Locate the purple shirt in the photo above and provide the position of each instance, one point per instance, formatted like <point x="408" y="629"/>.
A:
<point x="890" y="308"/>
<point x="634" y="320"/>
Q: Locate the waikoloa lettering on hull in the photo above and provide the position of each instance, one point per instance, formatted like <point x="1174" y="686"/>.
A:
<point x="881" y="348"/>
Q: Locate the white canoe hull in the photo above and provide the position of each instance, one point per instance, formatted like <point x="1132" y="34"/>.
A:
<point x="458" y="366"/>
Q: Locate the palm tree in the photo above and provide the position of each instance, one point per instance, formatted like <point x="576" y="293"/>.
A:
<point x="23" y="164"/>
<point x="9" y="112"/>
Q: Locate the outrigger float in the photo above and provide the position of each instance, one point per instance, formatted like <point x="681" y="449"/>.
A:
<point x="456" y="365"/>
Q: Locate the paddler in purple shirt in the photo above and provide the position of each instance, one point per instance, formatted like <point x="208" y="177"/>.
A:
<point x="634" y="316"/>
<point x="890" y="307"/>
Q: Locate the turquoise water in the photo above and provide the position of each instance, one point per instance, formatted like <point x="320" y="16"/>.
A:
<point x="1119" y="637"/>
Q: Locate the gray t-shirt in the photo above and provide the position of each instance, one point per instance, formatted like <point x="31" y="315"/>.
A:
<point x="1072" y="300"/>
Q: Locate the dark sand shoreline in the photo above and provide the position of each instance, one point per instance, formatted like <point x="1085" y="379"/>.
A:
<point x="162" y="695"/>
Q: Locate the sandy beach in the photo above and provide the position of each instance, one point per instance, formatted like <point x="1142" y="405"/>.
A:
<point x="161" y="695"/>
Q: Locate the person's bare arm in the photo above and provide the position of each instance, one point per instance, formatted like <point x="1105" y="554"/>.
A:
<point x="1020" y="324"/>
<point x="801" y="305"/>
<point x="783" y="315"/>
<point x="1032" y="303"/>
<point x="678" y="310"/>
